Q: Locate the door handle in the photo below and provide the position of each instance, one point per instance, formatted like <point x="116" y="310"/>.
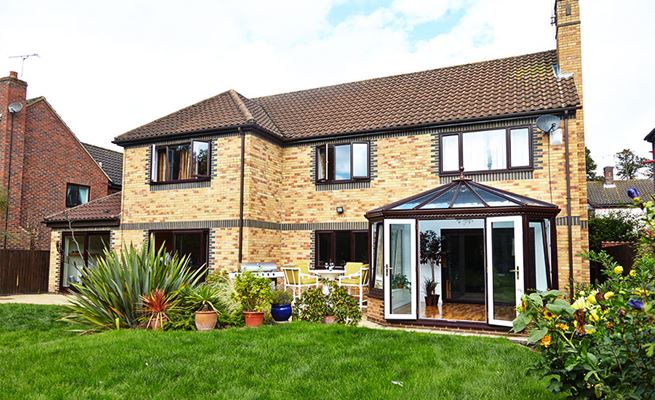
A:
<point x="516" y="272"/>
<point x="387" y="268"/>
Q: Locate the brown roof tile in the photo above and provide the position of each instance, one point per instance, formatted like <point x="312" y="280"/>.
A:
<point x="599" y="196"/>
<point x="106" y="208"/>
<point x="488" y="89"/>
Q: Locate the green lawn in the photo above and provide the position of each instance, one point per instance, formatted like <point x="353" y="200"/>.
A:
<point x="41" y="359"/>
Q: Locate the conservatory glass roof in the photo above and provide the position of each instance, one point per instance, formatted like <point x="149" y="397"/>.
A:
<point x="463" y="193"/>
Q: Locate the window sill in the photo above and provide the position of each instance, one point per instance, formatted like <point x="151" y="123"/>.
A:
<point x="325" y="182"/>
<point x="203" y="179"/>
<point x="185" y="184"/>
<point x="487" y="172"/>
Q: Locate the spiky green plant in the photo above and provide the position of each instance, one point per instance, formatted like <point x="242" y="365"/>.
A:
<point x="109" y="295"/>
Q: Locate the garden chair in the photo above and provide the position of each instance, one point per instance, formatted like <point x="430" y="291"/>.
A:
<point x="297" y="280"/>
<point x="357" y="275"/>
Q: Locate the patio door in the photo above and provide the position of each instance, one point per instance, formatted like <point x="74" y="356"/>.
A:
<point x="400" y="269"/>
<point x="504" y="268"/>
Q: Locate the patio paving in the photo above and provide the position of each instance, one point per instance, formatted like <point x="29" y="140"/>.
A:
<point x="45" y="298"/>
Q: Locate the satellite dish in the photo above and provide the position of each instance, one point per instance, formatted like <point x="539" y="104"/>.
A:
<point x="548" y="123"/>
<point x="15" y="107"/>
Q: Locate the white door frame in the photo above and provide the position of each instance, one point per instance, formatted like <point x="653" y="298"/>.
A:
<point x="387" y="268"/>
<point x="518" y="270"/>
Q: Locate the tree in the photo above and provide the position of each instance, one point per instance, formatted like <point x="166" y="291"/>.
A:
<point x="628" y="164"/>
<point x="590" y="165"/>
<point x="432" y="250"/>
<point x="616" y="226"/>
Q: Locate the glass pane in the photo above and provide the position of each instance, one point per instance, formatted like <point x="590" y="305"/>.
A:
<point x="73" y="259"/>
<point x="450" y="153"/>
<point x="400" y="263"/>
<point x="342" y="249"/>
<point x="360" y="240"/>
<point x="466" y="198"/>
<point x="178" y="162"/>
<point x="360" y="159"/>
<point x="97" y="245"/>
<point x="378" y="252"/>
<point x="413" y="203"/>
<point x="324" y="249"/>
<point x="540" y="269"/>
<point x="484" y="151"/>
<point x="76" y="195"/>
<point x="493" y="200"/>
<point x="161" y="164"/>
<point x="191" y="244"/>
<point x="342" y="162"/>
<point x="164" y="238"/>
<point x="321" y="163"/>
<point x="442" y="201"/>
<point x="504" y="270"/>
<point x="520" y="141"/>
<point x="201" y="158"/>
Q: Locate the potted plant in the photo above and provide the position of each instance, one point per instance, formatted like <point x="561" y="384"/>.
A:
<point x="399" y="281"/>
<point x="432" y="252"/>
<point x="156" y="304"/>
<point x="254" y="295"/>
<point x="431" y="299"/>
<point x="281" y="305"/>
<point x="206" y="296"/>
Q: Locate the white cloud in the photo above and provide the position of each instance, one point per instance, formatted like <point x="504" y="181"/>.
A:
<point x="109" y="67"/>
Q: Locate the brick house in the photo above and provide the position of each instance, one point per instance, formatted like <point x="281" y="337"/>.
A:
<point x="320" y="175"/>
<point x="43" y="167"/>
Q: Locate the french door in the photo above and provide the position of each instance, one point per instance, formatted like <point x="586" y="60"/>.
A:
<point x="400" y="269"/>
<point x="504" y="237"/>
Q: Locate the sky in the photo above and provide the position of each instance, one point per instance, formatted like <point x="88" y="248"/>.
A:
<point x="108" y="67"/>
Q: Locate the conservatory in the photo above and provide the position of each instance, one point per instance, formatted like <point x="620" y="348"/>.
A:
<point x="461" y="254"/>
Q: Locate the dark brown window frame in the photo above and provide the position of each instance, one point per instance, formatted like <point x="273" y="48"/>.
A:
<point x="333" y="251"/>
<point x="195" y="178"/>
<point x="353" y="177"/>
<point x="85" y="256"/>
<point x="203" y="244"/>
<point x="508" y="152"/>
<point x="68" y="184"/>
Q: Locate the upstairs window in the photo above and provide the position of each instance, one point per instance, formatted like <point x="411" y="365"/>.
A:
<point x="342" y="162"/>
<point x="481" y="151"/>
<point x="76" y="195"/>
<point x="181" y="162"/>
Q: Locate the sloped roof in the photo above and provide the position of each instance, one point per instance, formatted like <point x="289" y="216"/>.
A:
<point x="105" y="209"/>
<point x="599" y="196"/>
<point x="509" y="86"/>
<point x="109" y="160"/>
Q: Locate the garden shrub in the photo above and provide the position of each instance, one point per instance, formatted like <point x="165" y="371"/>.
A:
<point x="110" y="295"/>
<point x="601" y="345"/>
<point x="314" y="305"/>
<point x="252" y="292"/>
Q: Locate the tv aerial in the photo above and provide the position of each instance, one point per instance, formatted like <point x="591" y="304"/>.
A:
<point x="24" y="57"/>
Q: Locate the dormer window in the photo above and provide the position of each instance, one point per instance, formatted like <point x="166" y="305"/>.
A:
<point x="342" y="162"/>
<point x="181" y="162"/>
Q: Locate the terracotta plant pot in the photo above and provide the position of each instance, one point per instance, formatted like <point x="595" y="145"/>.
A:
<point x="253" y="319"/>
<point x="206" y="320"/>
<point x="328" y="319"/>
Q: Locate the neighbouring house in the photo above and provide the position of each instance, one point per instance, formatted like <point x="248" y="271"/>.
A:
<point x="43" y="167"/>
<point x="363" y="171"/>
<point x="611" y="195"/>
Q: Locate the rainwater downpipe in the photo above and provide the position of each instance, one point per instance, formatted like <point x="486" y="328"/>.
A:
<point x="241" y="184"/>
<point x="11" y="145"/>
<point x="569" y="218"/>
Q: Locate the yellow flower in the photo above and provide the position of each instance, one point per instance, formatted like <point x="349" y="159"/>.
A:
<point x="592" y="298"/>
<point x="548" y="314"/>
<point x="589" y="330"/>
<point x="608" y="295"/>
<point x="593" y="316"/>
<point x="618" y="270"/>
<point x="562" y="326"/>
<point x="579" y="303"/>
<point x="633" y="272"/>
<point x="545" y="341"/>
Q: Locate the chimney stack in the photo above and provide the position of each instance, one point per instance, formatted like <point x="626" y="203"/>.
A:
<point x="608" y="173"/>
<point x="13" y="74"/>
<point x="569" y="51"/>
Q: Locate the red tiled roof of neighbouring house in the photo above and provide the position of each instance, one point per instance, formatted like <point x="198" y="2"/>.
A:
<point x="107" y="209"/>
<point x="483" y="90"/>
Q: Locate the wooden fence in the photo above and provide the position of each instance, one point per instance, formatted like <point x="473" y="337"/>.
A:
<point x="24" y="271"/>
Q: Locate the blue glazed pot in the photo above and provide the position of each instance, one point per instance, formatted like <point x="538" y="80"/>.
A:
<point x="281" y="313"/>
